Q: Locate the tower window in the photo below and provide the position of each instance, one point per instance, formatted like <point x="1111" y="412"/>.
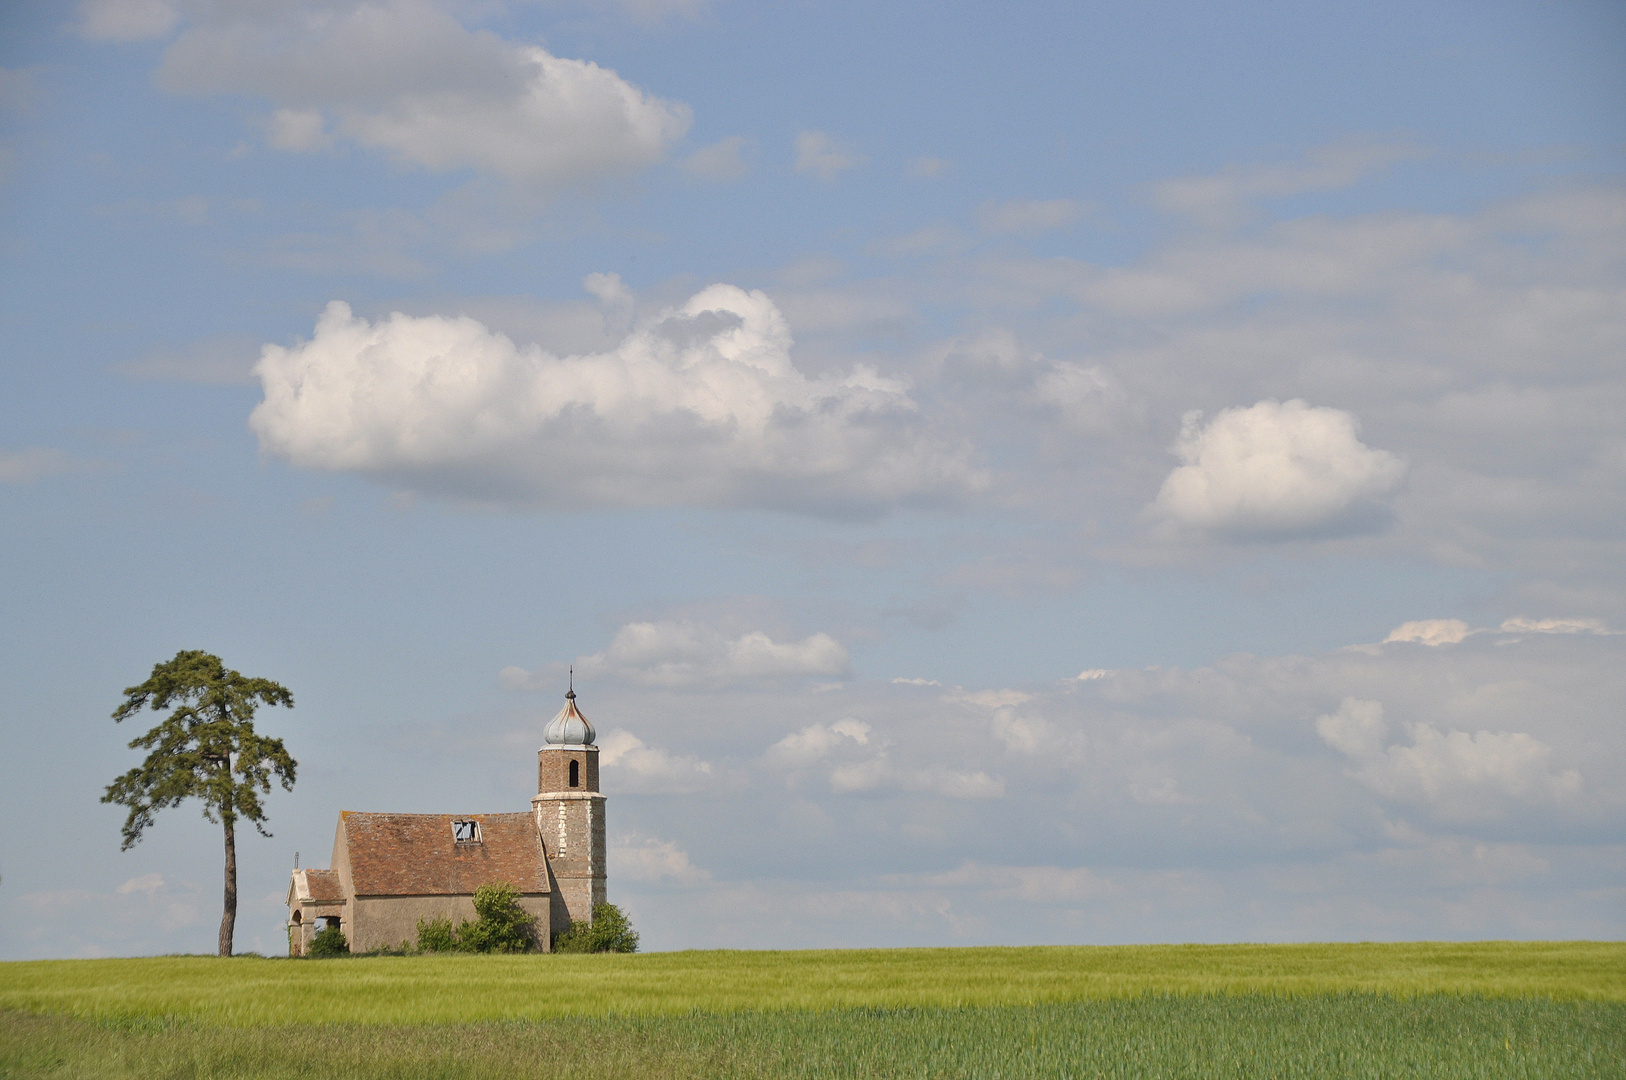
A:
<point x="575" y="773"/>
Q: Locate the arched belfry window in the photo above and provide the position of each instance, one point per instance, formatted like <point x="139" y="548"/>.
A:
<point x="575" y="773"/>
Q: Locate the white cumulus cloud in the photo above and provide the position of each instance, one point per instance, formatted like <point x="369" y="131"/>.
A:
<point x="702" y="406"/>
<point x="814" y="743"/>
<point x="406" y="78"/>
<point x="648" y="859"/>
<point x="1460" y="775"/>
<point x="146" y="883"/>
<point x="1452" y="631"/>
<point x="1430" y="632"/>
<point x="1521" y="624"/>
<point x="650" y="770"/>
<point x="1277" y="469"/>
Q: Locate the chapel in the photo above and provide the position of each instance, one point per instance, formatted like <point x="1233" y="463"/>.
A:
<point x="390" y="870"/>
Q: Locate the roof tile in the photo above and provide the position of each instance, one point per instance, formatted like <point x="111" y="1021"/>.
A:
<point x="415" y="855"/>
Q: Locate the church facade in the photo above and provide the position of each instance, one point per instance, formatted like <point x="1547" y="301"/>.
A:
<point x="390" y="870"/>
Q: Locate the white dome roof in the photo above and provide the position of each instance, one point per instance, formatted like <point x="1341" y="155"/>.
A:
<point x="570" y="727"/>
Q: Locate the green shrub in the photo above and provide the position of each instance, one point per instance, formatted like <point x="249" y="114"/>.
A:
<point x="610" y="931"/>
<point x="503" y="926"/>
<point x="329" y="941"/>
<point x="436" y="935"/>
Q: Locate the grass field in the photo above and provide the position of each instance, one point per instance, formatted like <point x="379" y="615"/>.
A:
<point x="1436" y="1010"/>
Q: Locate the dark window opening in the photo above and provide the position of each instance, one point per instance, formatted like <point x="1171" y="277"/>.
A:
<point x="465" y="832"/>
<point x="575" y="773"/>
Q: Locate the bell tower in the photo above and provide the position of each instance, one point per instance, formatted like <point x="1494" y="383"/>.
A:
<point x="570" y="815"/>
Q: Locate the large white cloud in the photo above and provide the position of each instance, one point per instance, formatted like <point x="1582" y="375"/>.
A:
<point x="1277" y="469"/>
<point x="702" y="406"/>
<point x="406" y="78"/>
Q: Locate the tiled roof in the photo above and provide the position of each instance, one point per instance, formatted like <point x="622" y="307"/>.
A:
<point x="415" y="854"/>
<point x="324" y="886"/>
<point x="315" y="887"/>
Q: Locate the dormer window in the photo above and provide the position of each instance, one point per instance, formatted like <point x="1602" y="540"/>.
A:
<point x="575" y="773"/>
<point x="465" y="831"/>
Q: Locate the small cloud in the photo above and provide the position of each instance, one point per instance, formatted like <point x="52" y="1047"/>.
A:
<point x="1430" y="632"/>
<point x="916" y="682"/>
<point x="683" y="652"/>
<point x="650" y="770"/>
<point x="818" y="153"/>
<point x="1520" y="624"/>
<point x="146" y="883"/>
<point x="989" y="699"/>
<point x="412" y="82"/>
<point x="928" y="167"/>
<point x="654" y="861"/>
<point x="815" y="742"/>
<point x="1091" y="674"/>
<point x="1452" y="631"/>
<point x="1031" y="216"/>
<point x="1277" y="470"/>
<point x="723" y="160"/>
<point x="126" y="20"/>
<point x="613" y="296"/>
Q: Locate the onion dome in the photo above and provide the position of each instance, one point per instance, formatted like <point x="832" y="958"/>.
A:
<point x="570" y="727"/>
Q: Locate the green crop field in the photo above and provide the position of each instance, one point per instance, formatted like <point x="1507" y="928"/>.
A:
<point x="1487" y="1009"/>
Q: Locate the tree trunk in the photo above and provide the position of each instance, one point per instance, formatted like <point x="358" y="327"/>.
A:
<point x="228" y="920"/>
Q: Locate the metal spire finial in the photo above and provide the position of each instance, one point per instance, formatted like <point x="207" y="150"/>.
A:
<point x="571" y="693"/>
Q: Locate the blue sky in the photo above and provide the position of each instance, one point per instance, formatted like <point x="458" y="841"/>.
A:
<point x="1132" y="472"/>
